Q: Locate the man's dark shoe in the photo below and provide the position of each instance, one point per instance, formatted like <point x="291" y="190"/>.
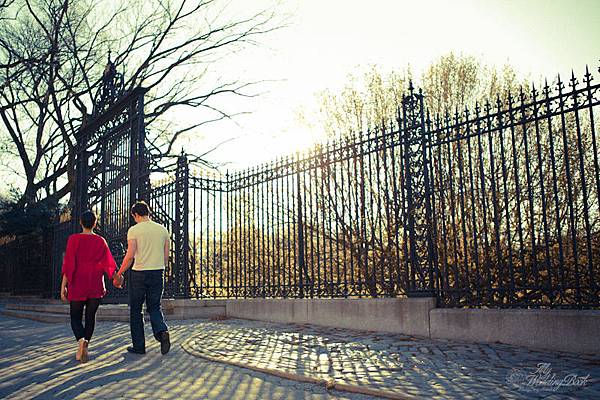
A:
<point x="165" y="342"/>
<point x="135" y="351"/>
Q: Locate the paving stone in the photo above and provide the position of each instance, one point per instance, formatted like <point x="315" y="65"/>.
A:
<point x="27" y="372"/>
<point x="395" y="363"/>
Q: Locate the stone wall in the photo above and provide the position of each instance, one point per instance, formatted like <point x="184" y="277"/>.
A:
<point x="575" y="331"/>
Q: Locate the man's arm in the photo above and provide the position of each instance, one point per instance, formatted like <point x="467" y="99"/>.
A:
<point x="127" y="261"/>
<point x="167" y="252"/>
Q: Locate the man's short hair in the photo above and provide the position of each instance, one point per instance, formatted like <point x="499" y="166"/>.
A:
<point x="88" y="219"/>
<point x="140" y="208"/>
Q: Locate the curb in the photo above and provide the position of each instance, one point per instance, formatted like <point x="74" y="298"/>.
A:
<point x="329" y="384"/>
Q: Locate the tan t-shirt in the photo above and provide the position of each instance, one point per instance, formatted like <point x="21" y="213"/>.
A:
<point x="150" y="238"/>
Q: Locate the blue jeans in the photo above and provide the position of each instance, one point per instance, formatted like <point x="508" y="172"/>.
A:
<point x="148" y="286"/>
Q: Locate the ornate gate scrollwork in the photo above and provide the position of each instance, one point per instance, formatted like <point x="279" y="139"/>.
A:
<point x="418" y="224"/>
<point x="111" y="162"/>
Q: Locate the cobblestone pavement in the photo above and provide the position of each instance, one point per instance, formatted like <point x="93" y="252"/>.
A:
<point x="37" y="362"/>
<point x="400" y="364"/>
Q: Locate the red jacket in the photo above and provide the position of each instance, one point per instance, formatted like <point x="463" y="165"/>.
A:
<point x="86" y="261"/>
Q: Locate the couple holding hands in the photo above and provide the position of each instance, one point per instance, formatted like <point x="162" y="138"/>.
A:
<point x="88" y="258"/>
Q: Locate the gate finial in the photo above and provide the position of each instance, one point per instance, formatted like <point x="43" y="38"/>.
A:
<point x="111" y="87"/>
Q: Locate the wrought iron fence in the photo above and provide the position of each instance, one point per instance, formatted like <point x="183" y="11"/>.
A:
<point x="515" y="194"/>
<point x="24" y="267"/>
<point x="492" y="207"/>
<point x="495" y="206"/>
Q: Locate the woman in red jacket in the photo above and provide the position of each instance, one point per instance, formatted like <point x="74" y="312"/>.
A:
<point x="86" y="261"/>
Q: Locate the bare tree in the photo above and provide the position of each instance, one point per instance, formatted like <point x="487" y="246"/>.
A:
<point x="368" y="107"/>
<point x="371" y="99"/>
<point x="53" y="52"/>
<point x="3" y="5"/>
<point x="508" y="175"/>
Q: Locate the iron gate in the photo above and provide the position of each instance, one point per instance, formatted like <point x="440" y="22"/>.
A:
<point x="493" y="208"/>
<point x="111" y="167"/>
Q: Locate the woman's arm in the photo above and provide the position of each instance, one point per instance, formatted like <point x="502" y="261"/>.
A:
<point x="108" y="261"/>
<point x="68" y="267"/>
<point x="63" y="288"/>
<point x="127" y="261"/>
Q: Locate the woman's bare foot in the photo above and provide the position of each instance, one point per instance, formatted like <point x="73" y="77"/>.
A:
<point x="79" y="350"/>
<point x="84" y="352"/>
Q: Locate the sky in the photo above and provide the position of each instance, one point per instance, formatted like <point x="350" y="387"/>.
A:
<point x="326" y="40"/>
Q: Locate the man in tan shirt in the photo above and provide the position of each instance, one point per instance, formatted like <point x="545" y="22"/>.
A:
<point x="148" y="245"/>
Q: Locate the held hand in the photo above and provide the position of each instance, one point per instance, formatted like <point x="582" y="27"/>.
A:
<point x="63" y="293"/>
<point x="118" y="281"/>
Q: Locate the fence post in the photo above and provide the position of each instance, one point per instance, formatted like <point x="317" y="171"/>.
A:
<point x="139" y="135"/>
<point x="300" y="233"/>
<point x="181" y="267"/>
<point x="418" y="223"/>
<point x="304" y="278"/>
<point x="80" y="193"/>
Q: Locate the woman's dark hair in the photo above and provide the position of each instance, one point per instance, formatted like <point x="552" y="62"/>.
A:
<point x="140" y="208"/>
<point x="88" y="219"/>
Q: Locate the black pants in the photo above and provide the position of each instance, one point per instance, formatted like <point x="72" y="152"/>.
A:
<point x="91" y="306"/>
